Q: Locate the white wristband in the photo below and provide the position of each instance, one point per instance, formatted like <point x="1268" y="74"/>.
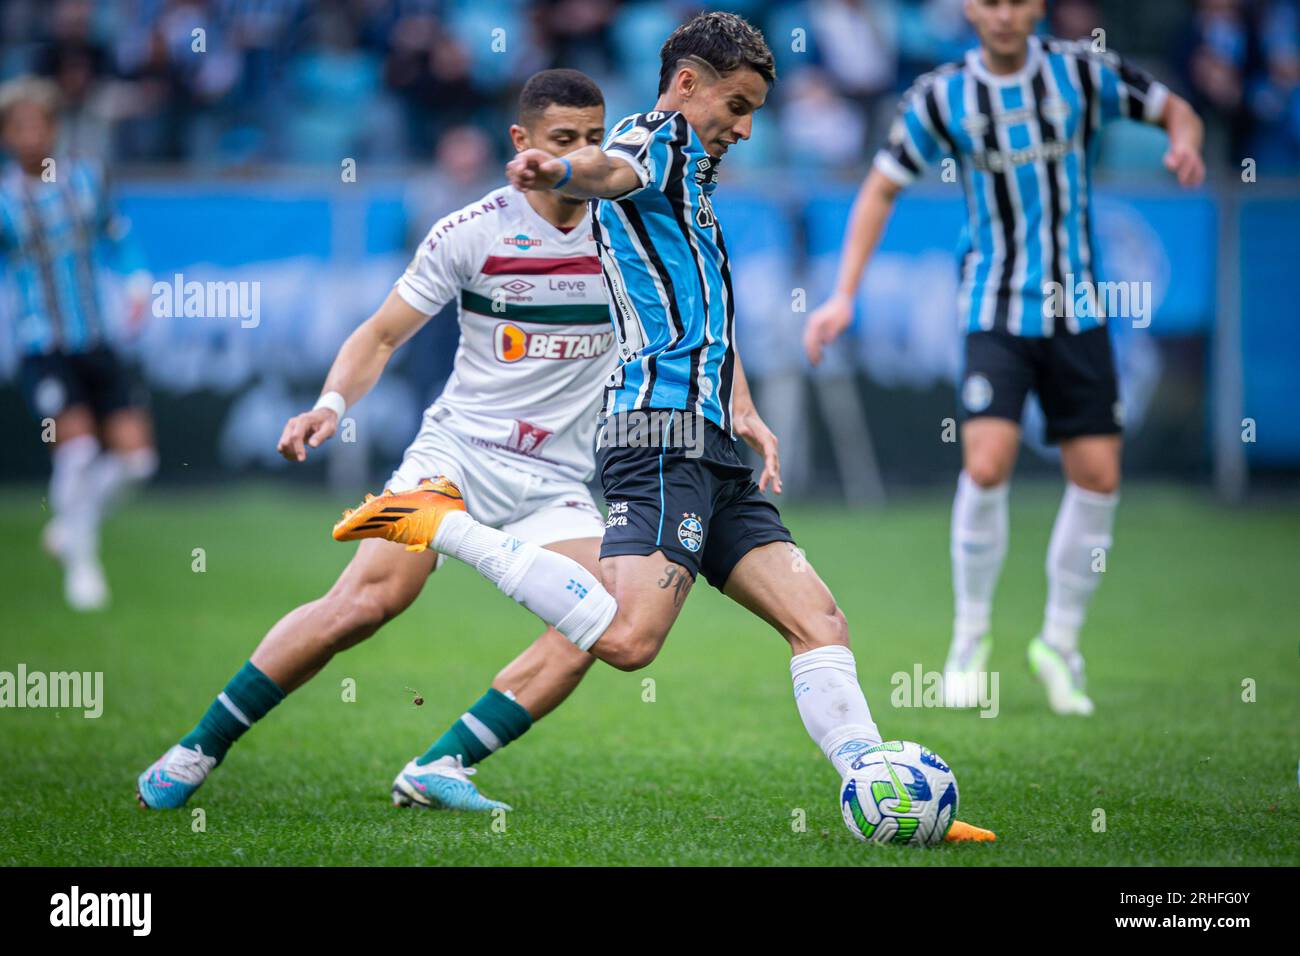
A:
<point x="334" y="402"/>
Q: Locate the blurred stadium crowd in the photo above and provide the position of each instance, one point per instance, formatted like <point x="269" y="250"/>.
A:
<point x="300" y="82"/>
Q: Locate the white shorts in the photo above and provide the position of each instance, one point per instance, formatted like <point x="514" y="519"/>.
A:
<point x="531" y="505"/>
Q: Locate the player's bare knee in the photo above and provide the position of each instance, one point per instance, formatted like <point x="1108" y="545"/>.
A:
<point x="820" y="628"/>
<point x="987" y="471"/>
<point x="1102" y="480"/>
<point x="626" y="649"/>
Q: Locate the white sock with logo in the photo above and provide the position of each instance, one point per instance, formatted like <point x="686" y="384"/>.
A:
<point x="978" y="546"/>
<point x="831" y="703"/>
<point x="556" y="588"/>
<point x="1076" y="559"/>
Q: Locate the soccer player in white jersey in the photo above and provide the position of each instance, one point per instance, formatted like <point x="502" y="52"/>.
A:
<point x="514" y="428"/>
<point x="1021" y="116"/>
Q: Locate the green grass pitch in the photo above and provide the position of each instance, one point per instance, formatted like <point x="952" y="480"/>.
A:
<point x="1196" y="600"/>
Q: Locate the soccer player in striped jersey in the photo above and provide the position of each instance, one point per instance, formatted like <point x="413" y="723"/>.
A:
<point x="54" y="214"/>
<point x="1021" y="118"/>
<point x="680" y="500"/>
<point x="514" y="427"/>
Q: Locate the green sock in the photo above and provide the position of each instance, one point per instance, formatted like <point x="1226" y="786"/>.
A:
<point x="493" y="721"/>
<point x="248" y="698"/>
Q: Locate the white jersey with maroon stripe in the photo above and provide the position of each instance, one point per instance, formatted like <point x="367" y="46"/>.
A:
<point x="536" y="343"/>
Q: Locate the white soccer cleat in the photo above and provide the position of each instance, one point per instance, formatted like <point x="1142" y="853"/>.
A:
<point x="84" y="586"/>
<point x="1062" y="676"/>
<point x="961" y="674"/>
<point x="441" y="785"/>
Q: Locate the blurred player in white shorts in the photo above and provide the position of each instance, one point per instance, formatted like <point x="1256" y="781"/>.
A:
<point x="514" y="428"/>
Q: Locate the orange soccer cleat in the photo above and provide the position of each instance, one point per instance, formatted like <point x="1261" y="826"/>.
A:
<point x="406" y="517"/>
<point x="965" y="833"/>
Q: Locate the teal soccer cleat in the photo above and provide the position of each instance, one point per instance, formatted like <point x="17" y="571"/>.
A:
<point x="173" y="777"/>
<point x="441" y="785"/>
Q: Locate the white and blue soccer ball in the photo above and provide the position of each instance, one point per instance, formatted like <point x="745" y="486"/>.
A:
<point x="899" y="792"/>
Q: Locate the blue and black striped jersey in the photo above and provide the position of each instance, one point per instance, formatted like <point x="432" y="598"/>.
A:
<point x="1024" y="146"/>
<point x="665" y="269"/>
<point x="49" y="232"/>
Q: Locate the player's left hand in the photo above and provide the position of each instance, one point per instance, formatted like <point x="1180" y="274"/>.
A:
<point x="760" y="438"/>
<point x="534" y="169"/>
<point x="1185" y="163"/>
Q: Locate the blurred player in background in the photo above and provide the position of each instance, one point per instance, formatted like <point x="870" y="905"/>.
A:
<point x="515" y="427"/>
<point x="681" y="502"/>
<point x="54" y="214"/>
<point x="1021" y="118"/>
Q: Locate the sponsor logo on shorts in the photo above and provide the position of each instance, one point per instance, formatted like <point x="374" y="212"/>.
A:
<point x="977" y="393"/>
<point x="617" y="515"/>
<point x="691" y="532"/>
<point x="512" y="344"/>
<point x="527" y="438"/>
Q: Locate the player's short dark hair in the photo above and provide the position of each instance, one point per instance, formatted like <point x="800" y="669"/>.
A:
<point x="723" y="40"/>
<point x="557" y="88"/>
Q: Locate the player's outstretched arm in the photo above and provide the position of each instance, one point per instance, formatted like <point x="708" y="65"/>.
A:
<point x="871" y="211"/>
<point x="587" y="173"/>
<point x="356" y="368"/>
<point x="1186" y="135"/>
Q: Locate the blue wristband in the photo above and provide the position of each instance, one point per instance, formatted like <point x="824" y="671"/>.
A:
<point x="568" y="172"/>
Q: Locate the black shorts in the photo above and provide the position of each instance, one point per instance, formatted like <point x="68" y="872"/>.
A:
<point x="674" y="483"/>
<point x="57" y="381"/>
<point x="1073" y="376"/>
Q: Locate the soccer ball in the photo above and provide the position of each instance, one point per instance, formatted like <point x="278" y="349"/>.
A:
<point x="899" y="792"/>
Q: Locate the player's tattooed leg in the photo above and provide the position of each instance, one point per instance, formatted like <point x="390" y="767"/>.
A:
<point x="677" y="579"/>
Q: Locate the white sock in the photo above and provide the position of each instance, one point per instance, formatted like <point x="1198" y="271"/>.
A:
<point x="113" y="474"/>
<point x="557" y="589"/>
<point x="1083" y="526"/>
<point x="70" y="498"/>
<point x="979" y="545"/>
<point x="831" y="703"/>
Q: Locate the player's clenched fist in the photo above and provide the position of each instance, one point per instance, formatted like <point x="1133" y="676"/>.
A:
<point x="826" y="324"/>
<point x="306" y="430"/>
<point x="535" y="169"/>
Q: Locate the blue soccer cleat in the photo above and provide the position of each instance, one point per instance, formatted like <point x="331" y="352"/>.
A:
<point x="173" y="777"/>
<point x="441" y="785"/>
